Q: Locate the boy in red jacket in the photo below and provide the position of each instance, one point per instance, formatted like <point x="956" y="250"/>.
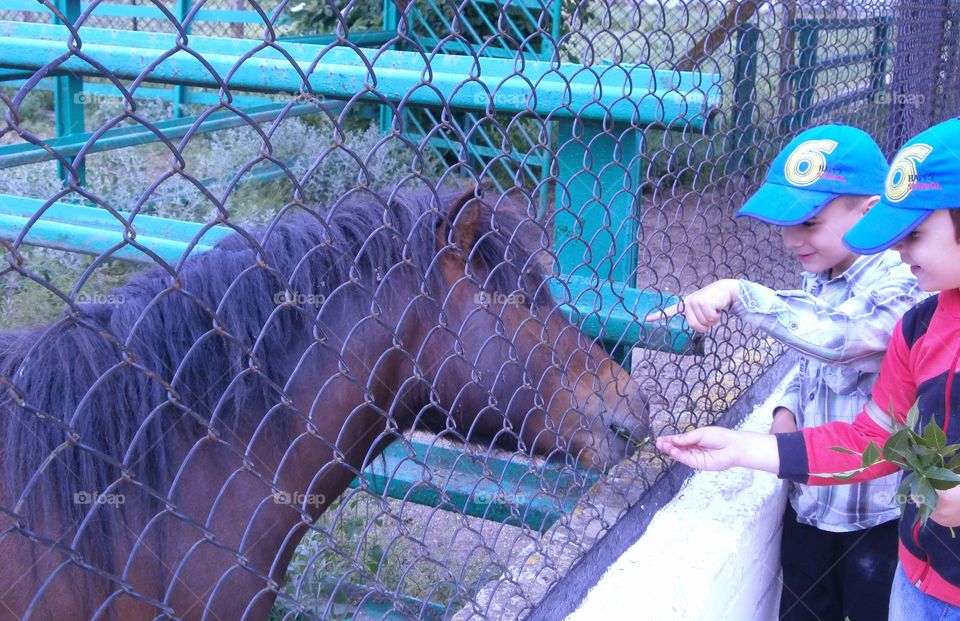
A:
<point x="918" y="216"/>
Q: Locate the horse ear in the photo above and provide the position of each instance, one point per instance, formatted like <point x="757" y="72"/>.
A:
<point x="461" y="222"/>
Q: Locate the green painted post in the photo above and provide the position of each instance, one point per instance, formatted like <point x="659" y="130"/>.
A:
<point x="556" y="28"/>
<point x="807" y="72"/>
<point x="391" y="22"/>
<point x="599" y="177"/>
<point x="68" y="101"/>
<point x="881" y="34"/>
<point x="547" y="53"/>
<point x="744" y="86"/>
<point x="180" y="93"/>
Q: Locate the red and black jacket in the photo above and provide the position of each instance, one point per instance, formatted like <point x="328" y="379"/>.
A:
<point x="920" y="366"/>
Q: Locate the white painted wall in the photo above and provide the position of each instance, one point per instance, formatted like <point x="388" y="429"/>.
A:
<point x="711" y="554"/>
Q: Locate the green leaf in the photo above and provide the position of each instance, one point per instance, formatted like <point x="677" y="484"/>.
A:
<point x="913" y="462"/>
<point x="913" y="416"/>
<point x="926" y="495"/>
<point x="843" y="476"/>
<point x="924" y="512"/>
<point x="915" y="482"/>
<point x="843" y="450"/>
<point x="943" y="474"/>
<point x="949" y="450"/>
<point x="941" y="478"/>
<point x="934" y="436"/>
<point x="903" y="492"/>
<point x="871" y="455"/>
<point x="928" y="459"/>
<point x="897" y="444"/>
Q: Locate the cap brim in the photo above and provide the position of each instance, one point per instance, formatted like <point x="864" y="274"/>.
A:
<point x="784" y="205"/>
<point x="882" y="227"/>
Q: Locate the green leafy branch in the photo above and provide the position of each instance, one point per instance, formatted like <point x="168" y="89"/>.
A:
<point x="931" y="465"/>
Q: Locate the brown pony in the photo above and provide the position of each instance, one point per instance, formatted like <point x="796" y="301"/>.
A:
<point x="164" y="455"/>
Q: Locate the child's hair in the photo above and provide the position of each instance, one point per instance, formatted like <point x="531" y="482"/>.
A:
<point x="955" y="217"/>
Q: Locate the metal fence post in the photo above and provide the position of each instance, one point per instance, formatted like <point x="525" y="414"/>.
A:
<point x="881" y="38"/>
<point x="391" y="21"/>
<point x="948" y="97"/>
<point x="806" y="75"/>
<point x="596" y="219"/>
<point x="68" y="96"/>
<point x="744" y="86"/>
<point x="180" y="93"/>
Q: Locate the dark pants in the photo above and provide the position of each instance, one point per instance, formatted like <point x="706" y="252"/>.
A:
<point x="829" y="576"/>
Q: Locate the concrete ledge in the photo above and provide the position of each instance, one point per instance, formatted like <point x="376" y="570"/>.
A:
<point x="711" y="554"/>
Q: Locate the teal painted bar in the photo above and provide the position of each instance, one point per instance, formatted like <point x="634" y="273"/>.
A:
<point x="614" y="313"/>
<point x="173" y="129"/>
<point x="674" y="99"/>
<point x="603" y="309"/>
<point x="8" y="75"/>
<point x="194" y="97"/>
<point x="93" y="230"/>
<point x="481" y="486"/>
<point x="148" y="11"/>
<point x="74" y="238"/>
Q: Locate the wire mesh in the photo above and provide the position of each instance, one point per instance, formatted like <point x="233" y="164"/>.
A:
<point x="182" y="434"/>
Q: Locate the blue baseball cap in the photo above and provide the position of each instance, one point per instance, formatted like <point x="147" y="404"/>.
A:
<point x="817" y="166"/>
<point x="924" y="176"/>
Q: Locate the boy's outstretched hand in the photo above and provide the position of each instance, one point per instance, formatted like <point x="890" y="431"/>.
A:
<point x="703" y="308"/>
<point x="717" y="448"/>
<point x="706" y="448"/>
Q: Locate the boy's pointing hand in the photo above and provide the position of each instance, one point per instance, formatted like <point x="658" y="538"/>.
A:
<point x="703" y="308"/>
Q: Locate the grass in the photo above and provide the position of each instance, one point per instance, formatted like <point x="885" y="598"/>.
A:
<point x="363" y="545"/>
<point x="340" y="159"/>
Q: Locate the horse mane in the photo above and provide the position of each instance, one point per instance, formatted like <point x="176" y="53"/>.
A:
<point x="109" y="386"/>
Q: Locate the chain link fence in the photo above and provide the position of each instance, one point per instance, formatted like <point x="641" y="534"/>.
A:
<point x="267" y="349"/>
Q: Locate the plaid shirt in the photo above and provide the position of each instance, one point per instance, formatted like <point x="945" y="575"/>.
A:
<point x="843" y="325"/>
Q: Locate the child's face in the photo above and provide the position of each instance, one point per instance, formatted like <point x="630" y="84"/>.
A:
<point x="818" y="244"/>
<point x="933" y="253"/>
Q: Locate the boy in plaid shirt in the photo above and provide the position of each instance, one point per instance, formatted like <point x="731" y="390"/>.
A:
<point x="839" y="544"/>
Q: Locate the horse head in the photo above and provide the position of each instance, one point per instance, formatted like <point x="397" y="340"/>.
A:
<point x="503" y="360"/>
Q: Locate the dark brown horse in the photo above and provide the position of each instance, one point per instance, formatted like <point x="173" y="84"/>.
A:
<point x="164" y="455"/>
